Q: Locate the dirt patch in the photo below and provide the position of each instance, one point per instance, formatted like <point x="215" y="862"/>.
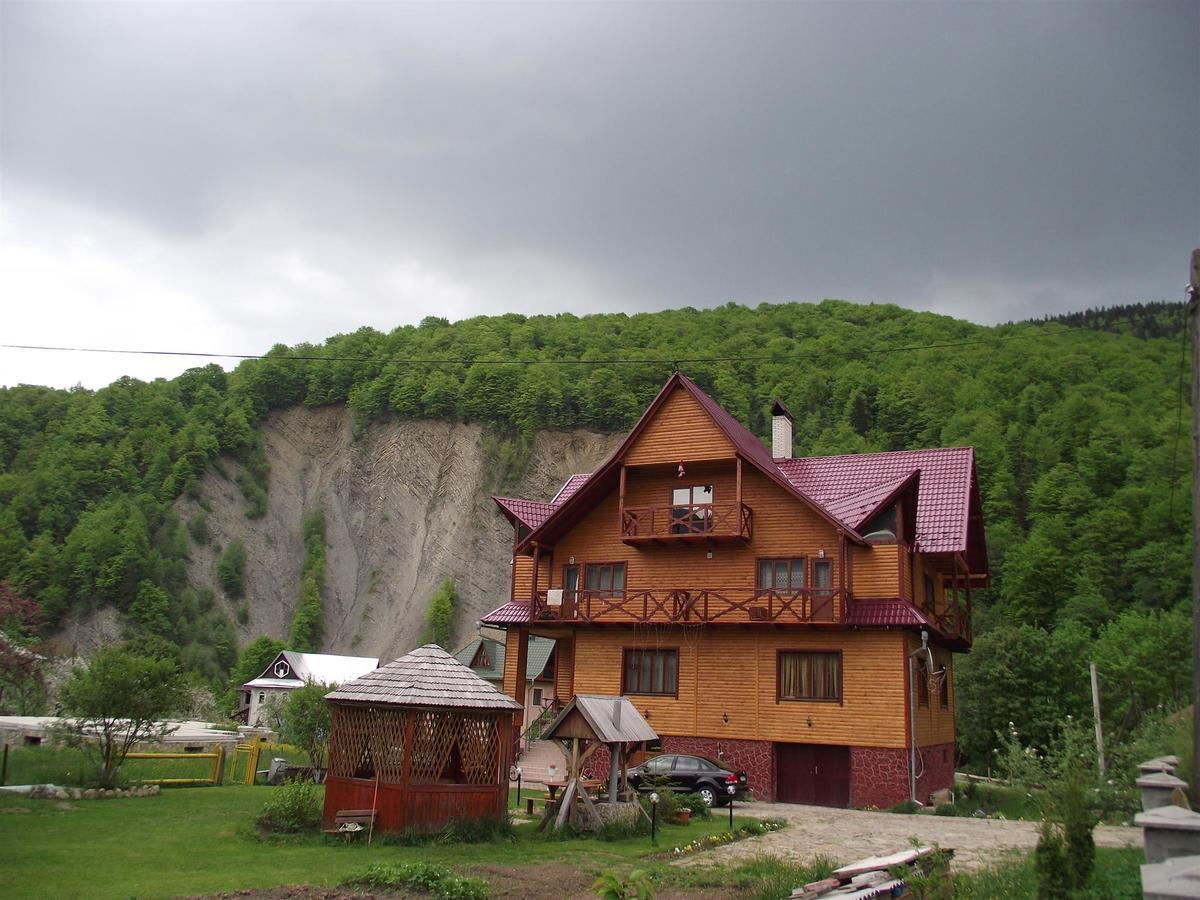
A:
<point x="13" y="809"/>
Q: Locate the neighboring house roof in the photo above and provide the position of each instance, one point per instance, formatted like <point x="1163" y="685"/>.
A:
<point x="325" y="668"/>
<point x="426" y="677"/>
<point x="537" y="657"/>
<point x="613" y="720"/>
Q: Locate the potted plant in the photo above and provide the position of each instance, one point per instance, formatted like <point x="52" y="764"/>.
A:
<point x="683" y="815"/>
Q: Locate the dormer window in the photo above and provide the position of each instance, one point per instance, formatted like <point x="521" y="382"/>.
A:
<point x="282" y="669"/>
<point x="882" y="527"/>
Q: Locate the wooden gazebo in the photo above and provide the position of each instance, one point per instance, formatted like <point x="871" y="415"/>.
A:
<point x="422" y="741"/>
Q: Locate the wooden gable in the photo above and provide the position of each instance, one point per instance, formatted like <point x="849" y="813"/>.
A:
<point x="680" y="422"/>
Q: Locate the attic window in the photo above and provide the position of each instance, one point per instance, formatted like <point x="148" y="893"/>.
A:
<point x="481" y="660"/>
<point x="883" y="526"/>
<point x="282" y="669"/>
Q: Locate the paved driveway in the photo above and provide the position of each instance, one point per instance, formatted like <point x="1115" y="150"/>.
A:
<point x="849" y="834"/>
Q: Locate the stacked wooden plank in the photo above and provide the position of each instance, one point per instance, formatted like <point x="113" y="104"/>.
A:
<point x="875" y="876"/>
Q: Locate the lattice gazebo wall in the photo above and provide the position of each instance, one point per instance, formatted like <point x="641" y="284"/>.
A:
<point x="420" y="768"/>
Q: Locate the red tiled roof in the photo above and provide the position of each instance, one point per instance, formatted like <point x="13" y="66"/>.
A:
<point x="530" y="513"/>
<point x="847" y="490"/>
<point x="572" y="484"/>
<point x="885" y="612"/>
<point x="943" y="494"/>
<point x="857" y="508"/>
<point x="515" y="612"/>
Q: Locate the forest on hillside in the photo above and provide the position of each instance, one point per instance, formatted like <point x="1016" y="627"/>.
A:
<point x="1079" y="424"/>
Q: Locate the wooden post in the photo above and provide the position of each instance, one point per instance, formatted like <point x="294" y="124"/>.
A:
<point x="1096" y="715"/>
<point x="621" y="504"/>
<point x="1194" y="315"/>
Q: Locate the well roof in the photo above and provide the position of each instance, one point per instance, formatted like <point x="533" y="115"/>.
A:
<point x="428" y="676"/>
<point x="600" y="715"/>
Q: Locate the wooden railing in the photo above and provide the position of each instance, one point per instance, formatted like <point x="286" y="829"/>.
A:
<point x="951" y="617"/>
<point x="712" y="521"/>
<point x="696" y="606"/>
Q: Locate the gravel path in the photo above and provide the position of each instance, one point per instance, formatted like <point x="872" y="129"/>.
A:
<point x="848" y="834"/>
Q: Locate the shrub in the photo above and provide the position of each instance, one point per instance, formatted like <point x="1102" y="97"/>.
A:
<point x="256" y="497"/>
<point x="1050" y="864"/>
<point x="696" y="804"/>
<point x="668" y="800"/>
<point x="905" y="807"/>
<point x="198" y="527"/>
<point x="231" y="570"/>
<point x="464" y="831"/>
<point x="293" y="807"/>
<point x="428" y="878"/>
<point x="636" y="886"/>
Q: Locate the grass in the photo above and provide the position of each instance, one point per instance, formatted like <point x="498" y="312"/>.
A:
<point x="1117" y="876"/>
<point x="763" y="878"/>
<point x="65" y="766"/>
<point x="189" y="841"/>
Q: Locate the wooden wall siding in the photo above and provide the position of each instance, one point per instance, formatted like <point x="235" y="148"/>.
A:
<point x="564" y="669"/>
<point x="934" y="724"/>
<point x="733" y="671"/>
<point x="875" y="571"/>
<point x="523" y="569"/>
<point x="514" y="639"/>
<point x="680" y="430"/>
<point x="783" y="526"/>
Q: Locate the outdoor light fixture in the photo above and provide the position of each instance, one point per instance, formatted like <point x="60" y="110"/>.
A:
<point x="732" y="790"/>
<point x="680" y="475"/>
<point x="653" y="816"/>
<point x="725" y="718"/>
<point x="809" y="721"/>
<point x="518" y="787"/>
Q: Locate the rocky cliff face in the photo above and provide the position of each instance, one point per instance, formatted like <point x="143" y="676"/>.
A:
<point x="406" y="505"/>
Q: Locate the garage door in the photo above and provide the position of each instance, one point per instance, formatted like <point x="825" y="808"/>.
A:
<point x="812" y="773"/>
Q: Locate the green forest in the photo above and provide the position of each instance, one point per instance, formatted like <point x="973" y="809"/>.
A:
<point x="1079" y="422"/>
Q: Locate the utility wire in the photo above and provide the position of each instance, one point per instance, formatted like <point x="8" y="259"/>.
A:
<point x="461" y="361"/>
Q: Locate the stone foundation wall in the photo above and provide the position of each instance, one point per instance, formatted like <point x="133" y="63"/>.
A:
<point x="878" y="776"/>
<point x="938" y="770"/>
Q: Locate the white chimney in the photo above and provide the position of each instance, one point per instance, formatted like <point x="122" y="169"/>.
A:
<point x="781" y="431"/>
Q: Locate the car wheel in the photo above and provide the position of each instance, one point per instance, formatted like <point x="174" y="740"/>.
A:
<point x="708" y="794"/>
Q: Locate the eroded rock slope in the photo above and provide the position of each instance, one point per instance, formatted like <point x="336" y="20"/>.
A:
<point x="406" y="505"/>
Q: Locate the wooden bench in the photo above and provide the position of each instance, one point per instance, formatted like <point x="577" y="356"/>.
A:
<point x="345" y="820"/>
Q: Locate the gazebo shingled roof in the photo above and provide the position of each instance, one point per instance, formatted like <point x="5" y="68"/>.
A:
<point x="428" y="676"/>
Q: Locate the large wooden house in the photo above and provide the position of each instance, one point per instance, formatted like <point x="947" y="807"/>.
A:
<point x="797" y="618"/>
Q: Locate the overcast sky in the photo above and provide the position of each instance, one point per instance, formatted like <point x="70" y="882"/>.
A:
<point x="225" y="176"/>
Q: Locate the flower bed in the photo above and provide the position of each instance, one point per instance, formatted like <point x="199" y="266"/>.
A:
<point x="717" y="839"/>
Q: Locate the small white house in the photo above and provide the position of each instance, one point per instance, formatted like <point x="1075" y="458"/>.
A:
<point x="290" y="670"/>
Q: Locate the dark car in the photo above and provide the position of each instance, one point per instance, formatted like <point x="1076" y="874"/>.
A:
<point x="687" y="774"/>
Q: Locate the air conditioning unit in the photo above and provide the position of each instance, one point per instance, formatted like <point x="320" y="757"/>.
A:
<point x="554" y="597"/>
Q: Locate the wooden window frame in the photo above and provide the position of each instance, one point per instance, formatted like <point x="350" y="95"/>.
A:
<point x="584" y="589"/>
<point x="922" y="687"/>
<point x="840" y="654"/>
<point x="759" y="560"/>
<point x="625" y="651"/>
<point x="944" y="688"/>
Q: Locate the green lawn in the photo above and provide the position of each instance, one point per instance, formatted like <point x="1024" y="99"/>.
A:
<point x="1117" y="876"/>
<point x="196" y="841"/>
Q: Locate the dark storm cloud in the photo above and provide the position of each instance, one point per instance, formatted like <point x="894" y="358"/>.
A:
<point x="990" y="160"/>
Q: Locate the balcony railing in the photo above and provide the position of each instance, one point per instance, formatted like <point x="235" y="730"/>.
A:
<point x="693" y="606"/>
<point x="687" y="522"/>
<point x="951" y="617"/>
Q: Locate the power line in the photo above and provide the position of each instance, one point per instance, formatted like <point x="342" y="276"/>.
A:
<point x="462" y="361"/>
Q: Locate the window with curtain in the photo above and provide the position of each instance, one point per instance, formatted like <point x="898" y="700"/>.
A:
<point x="810" y="676"/>
<point x="606" y="578"/>
<point x="650" y="672"/>
<point x="783" y="575"/>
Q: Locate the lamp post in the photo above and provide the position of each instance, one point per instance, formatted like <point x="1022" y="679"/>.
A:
<point x="653" y="817"/>
<point x="518" y="787"/>
<point x="732" y="790"/>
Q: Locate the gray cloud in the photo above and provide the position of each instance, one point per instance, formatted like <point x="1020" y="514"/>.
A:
<point x="252" y="173"/>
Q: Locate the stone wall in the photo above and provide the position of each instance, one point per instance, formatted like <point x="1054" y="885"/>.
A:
<point x="756" y="758"/>
<point x="938" y="770"/>
<point x="878" y="776"/>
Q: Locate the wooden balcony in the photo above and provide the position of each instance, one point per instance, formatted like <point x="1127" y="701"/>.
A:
<point x="703" y="522"/>
<point x="952" y="618"/>
<point x="694" y="606"/>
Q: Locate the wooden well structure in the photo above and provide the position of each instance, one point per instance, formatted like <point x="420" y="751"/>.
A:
<point x="585" y="724"/>
<point x="423" y="741"/>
